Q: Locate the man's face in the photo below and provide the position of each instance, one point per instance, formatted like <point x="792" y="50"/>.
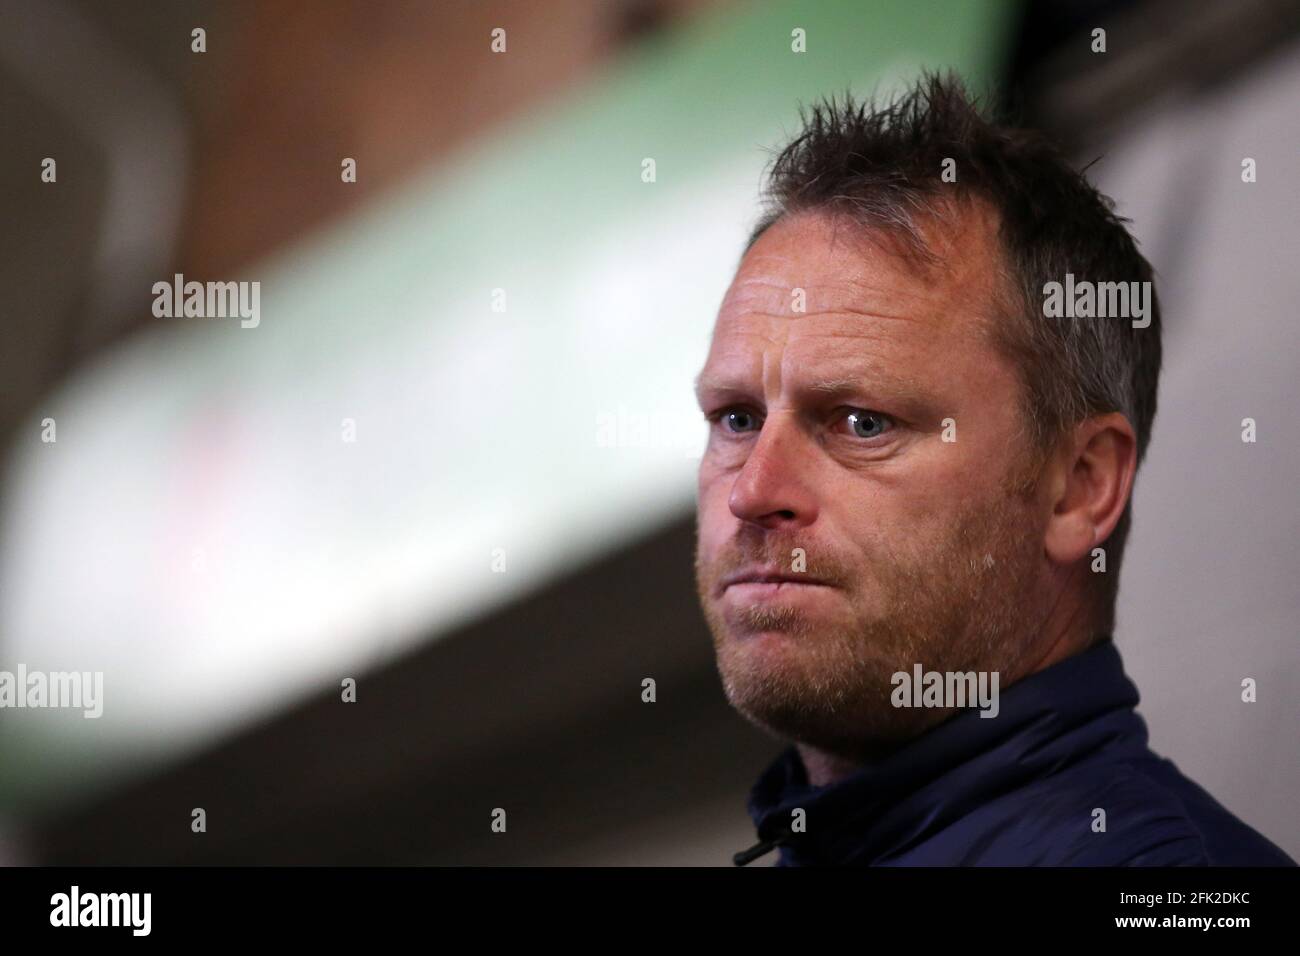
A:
<point x="877" y="433"/>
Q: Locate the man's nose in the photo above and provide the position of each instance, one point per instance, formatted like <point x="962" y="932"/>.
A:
<point x="772" y="488"/>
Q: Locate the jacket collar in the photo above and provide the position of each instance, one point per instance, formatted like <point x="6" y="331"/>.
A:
<point x="1045" y="720"/>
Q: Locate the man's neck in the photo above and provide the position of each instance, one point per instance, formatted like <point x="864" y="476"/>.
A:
<point x="824" y="768"/>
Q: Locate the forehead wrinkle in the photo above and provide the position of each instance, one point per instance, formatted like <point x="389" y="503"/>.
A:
<point x="775" y="299"/>
<point x="789" y="347"/>
<point x="826" y="313"/>
<point x="845" y="372"/>
<point x="772" y="370"/>
<point x="856" y="324"/>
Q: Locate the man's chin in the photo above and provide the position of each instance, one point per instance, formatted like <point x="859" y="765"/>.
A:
<point x="822" y="684"/>
<point x="865" y="730"/>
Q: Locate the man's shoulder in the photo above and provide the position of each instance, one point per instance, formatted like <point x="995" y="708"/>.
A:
<point x="1137" y="812"/>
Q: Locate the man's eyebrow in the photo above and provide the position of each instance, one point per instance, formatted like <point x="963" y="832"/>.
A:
<point x="710" y="383"/>
<point x="871" y="383"/>
<point x="718" y="383"/>
<point x="834" y="386"/>
<point x="867" y="381"/>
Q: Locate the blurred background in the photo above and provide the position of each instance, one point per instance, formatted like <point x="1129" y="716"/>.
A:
<point x="455" y="460"/>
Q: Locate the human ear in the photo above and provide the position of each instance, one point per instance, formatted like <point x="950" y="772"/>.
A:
<point x="1093" y="484"/>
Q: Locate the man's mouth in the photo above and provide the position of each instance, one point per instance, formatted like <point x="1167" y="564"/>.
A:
<point x="765" y="581"/>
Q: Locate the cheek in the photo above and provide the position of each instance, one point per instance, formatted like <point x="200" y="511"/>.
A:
<point x="715" y="481"/>
<point x="713" y="513"/>
<point x="909" y="512"/>
<point x="950" y="475"/>
<point x="722" y="456"/>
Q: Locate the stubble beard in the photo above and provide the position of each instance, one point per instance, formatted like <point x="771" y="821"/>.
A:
<point x="965" y="602"/>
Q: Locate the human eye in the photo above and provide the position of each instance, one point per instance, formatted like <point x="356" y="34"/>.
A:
<point x="735" y="420"/>
<point x="864" y="423"/>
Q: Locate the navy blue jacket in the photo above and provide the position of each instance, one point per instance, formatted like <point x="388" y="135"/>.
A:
<point x="1019" y="789"/>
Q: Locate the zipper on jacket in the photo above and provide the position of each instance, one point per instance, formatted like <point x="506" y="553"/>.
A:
<point x="762" y="847"/>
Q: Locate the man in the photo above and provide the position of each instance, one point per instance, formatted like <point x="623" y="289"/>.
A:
<point x="915" y="496"/>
